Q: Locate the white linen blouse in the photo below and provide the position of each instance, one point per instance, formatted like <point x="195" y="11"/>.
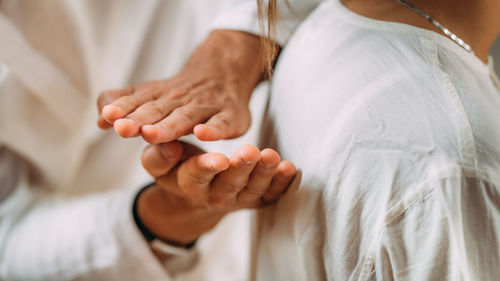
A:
<point x="395" y="130"/>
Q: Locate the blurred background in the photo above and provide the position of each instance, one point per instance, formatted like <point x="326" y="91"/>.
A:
<point x="495" y="51"/>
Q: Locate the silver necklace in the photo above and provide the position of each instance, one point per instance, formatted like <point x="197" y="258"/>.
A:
<point x="445" y="30"/>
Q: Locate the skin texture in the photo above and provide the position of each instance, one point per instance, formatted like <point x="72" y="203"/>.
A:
<point x="208" y="97"/>
<point x="190" y="198"/>
<point x="476" y="22"/>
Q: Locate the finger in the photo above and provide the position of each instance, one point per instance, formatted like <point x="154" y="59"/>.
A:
<point x="160" y="159"/>
<point x="148" y="113"/>
<point x="179" y="123"/>
<point x="189" y="150"/>
<point x="106" y="98"/>
<point x="195" y="174"/>
<point x="110" y="96"/>
<point x="285" y="173"/>
<point x="227" y="185"/>
<point x="224" y="125"/>
<point x="128" y="103"/>
<point x="103" y="124"/>
<point x="261" y="177"/>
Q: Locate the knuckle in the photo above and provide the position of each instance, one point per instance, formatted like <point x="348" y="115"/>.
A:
<point x="129" y="99"/>
<point x="223" y="122"/>
<point x="155" y="107"/>
<point x="203" y="100"/>
<point x="149" y="91"/>
<point x="197" y="179"/>
<point x="232" y="187"/>
<point x="188" y="115"/>
<point x="254" y="192"/>
<point x="217" y="203"/>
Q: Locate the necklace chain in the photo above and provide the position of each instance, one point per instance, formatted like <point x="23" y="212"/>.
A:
<point x="445" y="30"/>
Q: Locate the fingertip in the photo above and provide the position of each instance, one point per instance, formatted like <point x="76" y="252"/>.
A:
<point x="111" y="113"/>
<point x="206" y="133"/>
<point x="150" y="133"/>
<point x="270" y="156"/>
<point x="155" y="134"/>
<point x="103" y="124"/>
<point x="126" y="128"/>
<point x="216" y="161"/>
<point x="287" y="169"/>
<point x="249" y="153"/>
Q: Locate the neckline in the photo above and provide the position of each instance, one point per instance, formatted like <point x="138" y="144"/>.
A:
<point x="398" y="27"/>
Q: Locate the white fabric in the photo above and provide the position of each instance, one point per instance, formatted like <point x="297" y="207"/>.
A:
<point x="393" y="127"/>
<point x="68" y="214"/>
<point x="243" y="15"/>
<point x="395" y="130"/>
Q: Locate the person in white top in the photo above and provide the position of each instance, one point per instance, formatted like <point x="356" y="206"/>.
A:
<point x="393" y="122"/>
<point x="67" y="189"/>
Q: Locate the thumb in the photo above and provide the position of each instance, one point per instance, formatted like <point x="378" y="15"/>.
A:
<point x="159" y="159"/>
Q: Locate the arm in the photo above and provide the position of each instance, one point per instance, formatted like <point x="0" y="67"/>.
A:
<point x="210" y="95"/>
<point x="47" y="237"/>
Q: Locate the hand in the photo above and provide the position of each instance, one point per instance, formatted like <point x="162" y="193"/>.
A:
<point x="190" y="198"/>
<point x="209" y="96"/>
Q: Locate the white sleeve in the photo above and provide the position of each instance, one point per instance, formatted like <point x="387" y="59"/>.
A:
<point x="450" y="233"/>
<point x="243" y="15"/>
<point x="47" y="237"/>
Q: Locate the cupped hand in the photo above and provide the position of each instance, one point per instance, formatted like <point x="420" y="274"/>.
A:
<point x="208" y="97"/>
<point x="190" y="198"/>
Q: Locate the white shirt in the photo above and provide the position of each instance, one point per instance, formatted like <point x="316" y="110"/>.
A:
<point x="395" y="130"/>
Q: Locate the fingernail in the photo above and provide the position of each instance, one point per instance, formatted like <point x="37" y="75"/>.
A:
<point x="130" y="121"/>
<point x="166" y="153"/>
<point x="163" y="152"/>
<point x="146" y="127"/>
<point x="112" y="110"/>
<point x="213" y="129"/>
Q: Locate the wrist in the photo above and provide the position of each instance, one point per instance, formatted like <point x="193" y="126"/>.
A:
<point x="149" y="221"/>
